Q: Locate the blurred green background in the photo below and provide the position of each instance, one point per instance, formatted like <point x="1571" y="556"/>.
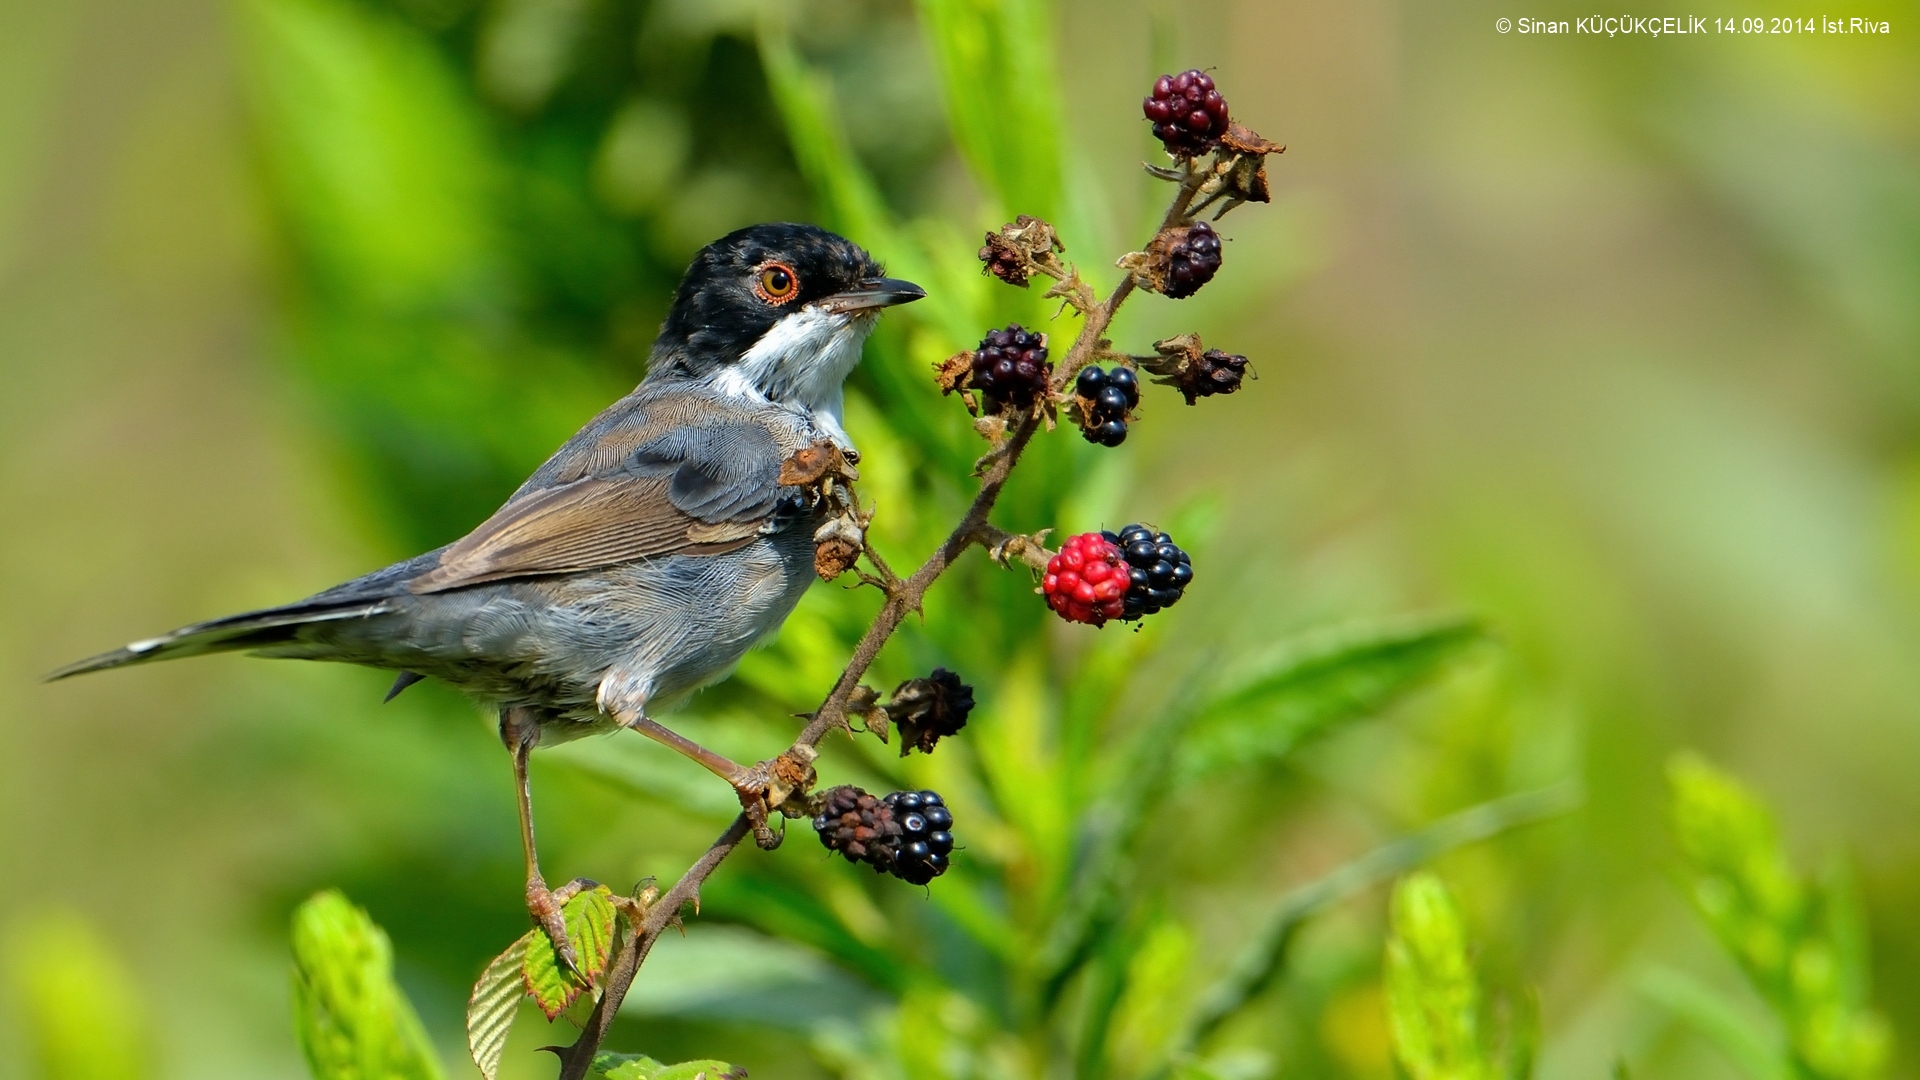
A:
<point x="1613" y="343"/>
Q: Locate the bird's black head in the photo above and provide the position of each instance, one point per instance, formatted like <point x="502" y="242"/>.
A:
<point x="780" y="310"/>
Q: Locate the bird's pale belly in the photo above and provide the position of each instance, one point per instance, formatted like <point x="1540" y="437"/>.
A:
<point x="627" y="637"/>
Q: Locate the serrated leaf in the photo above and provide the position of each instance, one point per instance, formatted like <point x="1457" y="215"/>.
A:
<point x="624" y="1067"/>
<point x="589" y="916"/>
<point x="641" y="1067"/>
<point x="494" y="1003"/>
<point x="701" y="1070"/>
<point x="1305" y="689"/>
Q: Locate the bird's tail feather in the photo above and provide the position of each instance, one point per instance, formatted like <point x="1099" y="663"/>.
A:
<point x="251" y="630"/>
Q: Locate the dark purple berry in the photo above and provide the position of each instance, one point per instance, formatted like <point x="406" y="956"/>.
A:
<point x="1187" y="112"/>
<point x="1125" y="381"/>
<point x="1090" y="381"/>
<point x="1010" y="368"/>
<point x="1192" y="261"/>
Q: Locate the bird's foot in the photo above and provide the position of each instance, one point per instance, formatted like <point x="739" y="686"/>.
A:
<point x="766" y="787"/>
<point x="546" y="906"/>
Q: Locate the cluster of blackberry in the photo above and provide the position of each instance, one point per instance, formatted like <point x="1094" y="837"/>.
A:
<point x="1106" y="397"/>
<point x="1192" y="261"/>
<point x="1128" y="575"/>
<point x="1188" y="114"/>
<point x="1010" y="368"/>
<point x="1158" y="571"/>
<point x="905" y="834"/>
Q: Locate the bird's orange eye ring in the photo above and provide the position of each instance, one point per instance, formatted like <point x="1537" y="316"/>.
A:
<point x="776" y="283"/>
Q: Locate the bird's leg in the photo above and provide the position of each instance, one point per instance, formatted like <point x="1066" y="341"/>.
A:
<point x="750" y="784"/>
<point x="520" y="730"/>
<point x="717" y="764"/>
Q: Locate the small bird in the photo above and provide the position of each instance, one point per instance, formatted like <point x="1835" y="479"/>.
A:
<point x="647" y="555"/>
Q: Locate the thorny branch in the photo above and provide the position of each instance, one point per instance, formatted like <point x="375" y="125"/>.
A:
<point x="903" y="598"/>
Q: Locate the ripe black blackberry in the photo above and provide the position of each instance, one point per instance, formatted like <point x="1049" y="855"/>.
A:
<point x="1010" y="368"/>
<point x="1158" y="571"/>
<point x="1187" y="112"/>
<point x="906" y="834"/>
<point x="925" y="840"/>
<point x="1192" y="261"/>
<point x="1106" y="397"/>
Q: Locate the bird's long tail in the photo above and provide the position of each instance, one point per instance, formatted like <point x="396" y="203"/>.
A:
<point x="251" y="630"/>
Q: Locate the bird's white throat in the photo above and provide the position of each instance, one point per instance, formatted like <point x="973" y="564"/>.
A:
<point x="804" y="361"/>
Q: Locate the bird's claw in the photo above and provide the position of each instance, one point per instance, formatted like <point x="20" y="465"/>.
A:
<point x="766" y="787"/>
<point x="547" y="908"/>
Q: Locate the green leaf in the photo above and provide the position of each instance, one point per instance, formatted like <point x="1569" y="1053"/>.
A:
<point x="590" y="918"/>
<point x="1433" y="996"/>
<point x="352" y="1021"/>
<point x="639" y="1067"/>
<point x="996" y="64"/>
<point x="1803" y="948"/>
<point x="1264" y="959"/>
<point x="494" y="1004"/>
<point x="81" y="1012"/>
<point x="1307" y="687"/>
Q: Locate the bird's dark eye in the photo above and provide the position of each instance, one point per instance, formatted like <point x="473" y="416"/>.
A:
<point x="776" y="283"/>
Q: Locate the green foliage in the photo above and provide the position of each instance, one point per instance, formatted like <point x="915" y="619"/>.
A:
<point x="352" y="1020"/>
<point x="495" y="1003"/>
<point x="1799" y="943"/>
<point x="589" y="916"/>
<point x="531" y="968"/>
<point x="996" y="64"/>
<point x="81" y="1011"/>
<point x="634" y="1067"/>
<point x="1435" y="1009"/>
<point x="1309" y="686"/>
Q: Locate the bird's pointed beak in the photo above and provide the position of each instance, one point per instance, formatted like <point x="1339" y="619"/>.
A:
<point x="874" y="294"/>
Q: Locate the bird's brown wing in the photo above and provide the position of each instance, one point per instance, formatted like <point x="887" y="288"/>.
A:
<point x="702" y="485"/>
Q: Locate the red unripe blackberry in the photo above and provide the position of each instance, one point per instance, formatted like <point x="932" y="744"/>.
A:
<point x="1088" y="581"/>
<point x="1158" y="572"/>
<point x="1193" y="261"/>
<point x="1010" y="367"/>
<point x="1188" y="114"/>
<point x="906" y="834"/>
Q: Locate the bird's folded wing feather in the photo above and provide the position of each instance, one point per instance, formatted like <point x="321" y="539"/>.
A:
<point x="691" y="489"/>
